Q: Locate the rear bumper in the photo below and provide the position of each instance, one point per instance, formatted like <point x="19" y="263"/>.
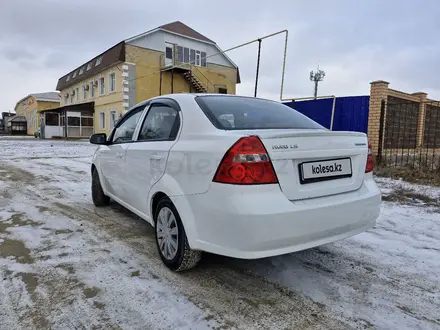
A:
<point x="244" y="222"/>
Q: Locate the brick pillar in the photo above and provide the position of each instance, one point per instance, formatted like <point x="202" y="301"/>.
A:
<point x="378" y="92"/>
<point x="421" y="121"/>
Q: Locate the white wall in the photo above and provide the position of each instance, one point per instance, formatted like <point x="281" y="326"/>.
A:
<point x="153" y="41"/>
<point x="50" y="131"/>
<point x="157" y="40"/>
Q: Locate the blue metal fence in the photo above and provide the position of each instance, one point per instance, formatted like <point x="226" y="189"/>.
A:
<point x="351" y="112"/>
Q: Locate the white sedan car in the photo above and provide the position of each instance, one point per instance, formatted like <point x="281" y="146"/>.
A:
<point x="236" y="176"/>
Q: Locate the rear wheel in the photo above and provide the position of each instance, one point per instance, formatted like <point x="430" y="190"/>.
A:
<point x="171" y="239"/>
<point x="98" y="196"/>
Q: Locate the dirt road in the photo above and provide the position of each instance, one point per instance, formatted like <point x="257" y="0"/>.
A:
<point x="65" y="264"/>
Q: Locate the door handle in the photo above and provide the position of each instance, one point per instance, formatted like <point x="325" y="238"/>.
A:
<point x="119" y="155"/>
<point x="155" y="157"/>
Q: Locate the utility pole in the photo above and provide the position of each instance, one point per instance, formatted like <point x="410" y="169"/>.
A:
<point x="316" y="77"/>
<point x="258" y="67"/>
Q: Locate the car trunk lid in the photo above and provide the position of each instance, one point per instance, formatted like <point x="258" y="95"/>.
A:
<point x="314" y="163"/>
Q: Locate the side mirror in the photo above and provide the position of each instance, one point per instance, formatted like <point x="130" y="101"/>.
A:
<point x="99" y="138"/>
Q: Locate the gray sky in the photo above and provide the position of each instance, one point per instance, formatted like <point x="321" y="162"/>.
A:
<point x="354" y="41"/>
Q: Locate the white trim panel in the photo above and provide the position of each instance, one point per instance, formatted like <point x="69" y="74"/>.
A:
<point x="156" y="40"/>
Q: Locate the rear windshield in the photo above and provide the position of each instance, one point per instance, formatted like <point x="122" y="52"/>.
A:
<point x="240" y="113"/>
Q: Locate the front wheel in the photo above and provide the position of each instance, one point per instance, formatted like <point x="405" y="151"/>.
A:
<point x="98" y="196"/>
<point x="171" y="239"/>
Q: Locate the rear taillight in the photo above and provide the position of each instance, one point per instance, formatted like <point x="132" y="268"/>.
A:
<point x="370" y="162"/>
<point x="247" y="162"/>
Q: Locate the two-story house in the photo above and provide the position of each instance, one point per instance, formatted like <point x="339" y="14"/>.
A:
<point x="172" y="58"/>
<point x="31" y="106"/>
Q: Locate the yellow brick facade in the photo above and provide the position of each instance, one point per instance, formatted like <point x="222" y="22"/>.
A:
<point x="378" y="92"/>
<point x="219" y="76"/>
<point x="140" y="78"/>
<point x="149" y="62"/>
<point x="105" y="100"/>
<point x="30" y="108"/>
<point x="45" y="105"/>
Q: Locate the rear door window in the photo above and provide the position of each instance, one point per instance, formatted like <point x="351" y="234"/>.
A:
<point x="244" y="113"/>
<point x="161" y="124"/>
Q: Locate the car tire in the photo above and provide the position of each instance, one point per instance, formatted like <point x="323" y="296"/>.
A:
<point x="98" y="196"/>
<point x="184" y="258"/>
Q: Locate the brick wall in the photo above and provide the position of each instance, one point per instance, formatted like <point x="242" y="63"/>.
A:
<point x="378" y="92"/>
<point x="403" y="118"/>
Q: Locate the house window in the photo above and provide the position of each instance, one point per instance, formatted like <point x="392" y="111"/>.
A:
<point x="92" y="89"/>
<point x="77" y="94"/>
<point x="102" y="120"/>
<point x="222" y="90"/>
<point x="73" y="121"/>
<point x="101" y="86"/>
<point x="87" y="121"/>
<point x="51" y="119"/>
<point x="89" y="66"/>
<point x="112" y="119"/>
<point x="179" y="54"/>
<point x="169" y="53"/>
<point x="203" y="58"/>
<point x="198" y="58"/>
<point x="72" y="95"/>
<point x="186" y="55"/>
<point x="112" y="82"/>
<point x="81" y="70"/>
<point x="84" y="92"/>
<point x="192" y="56"/>
<point x="68" y="77"/>
<point x="74" y="74"/>
<point x="98" y="61"/>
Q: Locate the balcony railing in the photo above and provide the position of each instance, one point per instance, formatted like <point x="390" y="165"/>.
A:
<point x="195" y="71"/>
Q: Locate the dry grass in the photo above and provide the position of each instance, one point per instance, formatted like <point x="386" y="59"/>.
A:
<point x="404" y="196"/>
<point x="410" y="174"/>
<point x="425" y="160"/>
